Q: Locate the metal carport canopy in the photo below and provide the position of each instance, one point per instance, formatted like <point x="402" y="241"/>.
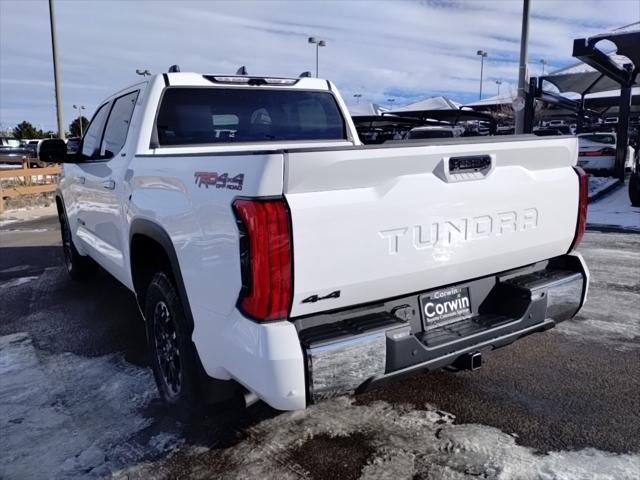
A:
<point x="605" y="71"/>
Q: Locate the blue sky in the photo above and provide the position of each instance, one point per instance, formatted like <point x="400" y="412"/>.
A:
<point x="406" y="50"/>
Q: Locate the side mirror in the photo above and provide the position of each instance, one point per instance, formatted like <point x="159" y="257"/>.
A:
<point x="54" y="150"/>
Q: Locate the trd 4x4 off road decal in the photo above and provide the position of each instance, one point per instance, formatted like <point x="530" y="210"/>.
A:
<point x="219" y="180"/>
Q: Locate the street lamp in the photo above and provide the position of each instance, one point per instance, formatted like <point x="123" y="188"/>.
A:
<point x="482" y="54"/>
<point x="390" y="102"/>
<point x="543" y="62"/>
<point x="318" y="43"/>
<point x="80" y="108"/>
<point x="143" y="73"/>
<point x="498" y="82"/>
<point x="357" y="96"/>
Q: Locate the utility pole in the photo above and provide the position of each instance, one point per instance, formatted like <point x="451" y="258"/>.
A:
<point x="318" y="43"/>
<point x="56" y="72"/>
<point x="80" y="108"/>
<point x="482" y="54"/>
<point x="522" y="74"/>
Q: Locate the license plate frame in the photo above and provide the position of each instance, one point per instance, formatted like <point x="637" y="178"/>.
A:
<point x="445" y="306"/>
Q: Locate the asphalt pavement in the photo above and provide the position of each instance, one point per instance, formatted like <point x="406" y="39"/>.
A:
<point x="574" y="387"/>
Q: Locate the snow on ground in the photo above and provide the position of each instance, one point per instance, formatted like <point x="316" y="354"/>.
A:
<point x="26" y="213"/>
<point x="65" y="416"/>
<point x="614" y="210"/>
<point x="598" y="184"/>
<point x="405" y="443"/>
<point x="16" y="282"/>
<point x="70" y="417"/>
<point x="610" y="315"/>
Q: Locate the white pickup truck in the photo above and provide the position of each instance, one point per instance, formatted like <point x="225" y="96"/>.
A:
<point x="271" y="252"/>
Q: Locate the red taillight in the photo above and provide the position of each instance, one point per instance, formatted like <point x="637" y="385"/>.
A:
<point x="266" y="255"/>
<point x="583" y="202"/>
<point x="604" y="152"/>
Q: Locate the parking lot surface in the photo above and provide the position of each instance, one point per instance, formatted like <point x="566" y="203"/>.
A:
<point x="78" y="401"/>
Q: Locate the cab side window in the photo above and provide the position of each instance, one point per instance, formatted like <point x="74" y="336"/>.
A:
<point x="115" y="133"/>
<point x="93" y="135"/>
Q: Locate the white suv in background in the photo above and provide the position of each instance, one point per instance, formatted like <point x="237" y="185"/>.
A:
<point x="597" y="153"/>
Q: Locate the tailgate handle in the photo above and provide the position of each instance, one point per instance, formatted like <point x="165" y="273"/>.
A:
<point x="472" y="163"/>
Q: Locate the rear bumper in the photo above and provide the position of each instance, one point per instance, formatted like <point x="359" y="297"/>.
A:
<point x="376" y="346"/>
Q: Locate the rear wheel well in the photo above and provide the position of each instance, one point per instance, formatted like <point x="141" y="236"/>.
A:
<point x="147" y="258"/>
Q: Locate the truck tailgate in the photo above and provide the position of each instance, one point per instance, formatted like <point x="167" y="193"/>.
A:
<point x="374" y="223"/>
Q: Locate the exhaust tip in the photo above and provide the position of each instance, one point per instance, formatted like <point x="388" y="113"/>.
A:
<point x="249" y="399"/>
<point x="475" y="361"/>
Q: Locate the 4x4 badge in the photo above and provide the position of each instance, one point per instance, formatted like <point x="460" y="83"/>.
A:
<point x="219" y="180"/>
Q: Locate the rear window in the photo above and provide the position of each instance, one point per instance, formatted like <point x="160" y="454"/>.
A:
<point x="192" y="116"/>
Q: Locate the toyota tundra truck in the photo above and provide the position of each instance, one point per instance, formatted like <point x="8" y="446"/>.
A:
<point x="272" y="253"/>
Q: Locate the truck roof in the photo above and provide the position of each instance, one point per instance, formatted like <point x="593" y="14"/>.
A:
<point x="225" y="80"/>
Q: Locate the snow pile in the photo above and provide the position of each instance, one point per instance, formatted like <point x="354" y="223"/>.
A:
<point x="65" y="416"/>
<point x="614" y="210"/>
<point x="598" y="184"/>
<point x="25" y="214"/>
<point x="407" y="443"/>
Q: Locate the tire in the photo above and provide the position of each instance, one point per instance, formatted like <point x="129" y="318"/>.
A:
<point x="174" y="359"/>
<point x="79" y="267"/>
<point x="634" y="189"/>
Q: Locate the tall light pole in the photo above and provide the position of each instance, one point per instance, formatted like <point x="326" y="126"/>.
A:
<point x="318" y="43"/>
<point x="80" y="108"/>
<point x="498" y="82"/>
<point x="56" y="72"/>
<point x="543" y="62"/>
<point x="482" y="54"/>
<point x="357" y="96"/>
<point x="522" y="74"/>
<point x="143" y="73"/>
<point x="390" y="102"/>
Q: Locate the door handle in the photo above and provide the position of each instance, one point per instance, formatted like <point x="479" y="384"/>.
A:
<point x="109" y="184"/>
<point x="81" y="180"/>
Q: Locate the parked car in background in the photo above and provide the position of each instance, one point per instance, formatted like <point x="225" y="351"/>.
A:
<point x="34" y="147"/>
<point x="73" y="144"/>
<point x="634" y="180"/>
<point x="506" y="130"/>
<point x="13" y="151"/>
<point x="555" y="123"/>
<point x="434" y="132"/>
<point x="550" y="131"/>
<point x="597" y="153"/>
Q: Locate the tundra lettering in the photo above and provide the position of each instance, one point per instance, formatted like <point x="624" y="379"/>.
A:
<point x="448" y="232"/>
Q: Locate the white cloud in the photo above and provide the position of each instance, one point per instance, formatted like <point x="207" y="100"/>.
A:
<point x="399" y="48"/>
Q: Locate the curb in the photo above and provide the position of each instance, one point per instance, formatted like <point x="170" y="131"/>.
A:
<point x="601" y="193"/>
<point x="601" y="227"/>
